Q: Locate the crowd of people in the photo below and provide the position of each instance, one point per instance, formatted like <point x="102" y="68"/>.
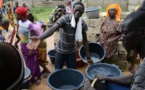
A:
<point x="21" y="25"/>
<point x="72" y="28"/>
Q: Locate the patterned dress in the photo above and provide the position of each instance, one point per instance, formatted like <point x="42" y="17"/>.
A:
<point x="110" y="34"/>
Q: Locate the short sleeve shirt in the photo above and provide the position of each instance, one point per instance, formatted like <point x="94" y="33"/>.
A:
<point x="24" y="30"/>
<point x="66" y="42"/>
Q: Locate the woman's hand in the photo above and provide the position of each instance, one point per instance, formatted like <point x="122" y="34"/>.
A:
<point x="34" y="43"/>
<point x="31" y="52"/>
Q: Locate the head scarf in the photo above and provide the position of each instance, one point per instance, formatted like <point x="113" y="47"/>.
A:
<point x="118" y="11"/>
<point x="21" y="11"/>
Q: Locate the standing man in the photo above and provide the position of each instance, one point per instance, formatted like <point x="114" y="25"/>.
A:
<point x="72" y="29"/>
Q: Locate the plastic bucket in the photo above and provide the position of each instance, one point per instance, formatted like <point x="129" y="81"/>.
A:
<point x="27" y="77"/>
<point x="66" y="79"/>
<point x="102" y="69"/>
<point x="97" y="52"/>
<point x="80" y="63"/>
<point x="93" y="12"/>
<point x="113" y="86"/>
<point x="51" y="54"/>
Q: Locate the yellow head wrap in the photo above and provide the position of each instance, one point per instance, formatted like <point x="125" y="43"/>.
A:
<point x="118" y="11"/>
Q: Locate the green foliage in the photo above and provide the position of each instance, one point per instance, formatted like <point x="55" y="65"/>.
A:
<point x="42" y="12"/>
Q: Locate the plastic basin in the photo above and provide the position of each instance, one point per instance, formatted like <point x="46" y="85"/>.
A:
<point x="102" y="69"/>
<point x="66" y="79"/>
<point x="97" y="52"/>
<point x="113" y="86"/>
<point x="93" y="12"/>
<point x="51" y="54"/>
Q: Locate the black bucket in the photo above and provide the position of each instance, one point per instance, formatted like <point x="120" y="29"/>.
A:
<point x="97" y="52"/>
<point x="12" y="67"/>
<point x="66" y="79"/>
<point x="51" y="54"/>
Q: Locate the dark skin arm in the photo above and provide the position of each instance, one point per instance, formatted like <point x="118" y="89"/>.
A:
<point x="124" y="80"/>
<point x="86" y="45"/>
<point x="18" y="37"/>
<point x="49" y="31"/>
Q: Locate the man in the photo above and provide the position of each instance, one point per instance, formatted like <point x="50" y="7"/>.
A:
<point x="73" y="29"/>
<point x="133" y="39"/>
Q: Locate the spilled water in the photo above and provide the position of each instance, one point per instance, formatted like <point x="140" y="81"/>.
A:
<point x="94" y="57"/>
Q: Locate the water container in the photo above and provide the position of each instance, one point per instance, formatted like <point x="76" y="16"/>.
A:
<point x="66" y="79"/>
<point x="113" y="86"/>
<point x="97" y="52"/>
<point x="102" y="69"/>
<point x="93" y="12"/>
<point x="51" y="54"/>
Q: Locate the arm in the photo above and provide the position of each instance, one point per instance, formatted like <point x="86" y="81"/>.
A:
<point x="37" y="39"/>
<point x="118" y="33"/>
<point x="86" y="45"/>
<point x="17" y="36"/>
<point x="49" y="31"/>
<point x="124" y="80"/>
<point x="18" y="40"/>
<point x="60" y="23"/>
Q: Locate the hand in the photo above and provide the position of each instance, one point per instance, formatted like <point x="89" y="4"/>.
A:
<point x="34" y="43"/>
<point x="100" y="78"/>
<point x="90" y="61"/>
<point x="30" y="52"/>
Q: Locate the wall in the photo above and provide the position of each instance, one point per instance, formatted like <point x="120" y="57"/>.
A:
<point x="105" y="3"/>
<point x="125" y="4"/>
<point x="28" y="2"/>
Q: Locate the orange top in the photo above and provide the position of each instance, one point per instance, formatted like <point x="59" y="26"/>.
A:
<point x="118" y="9"/>
<point x="1" y="3"/>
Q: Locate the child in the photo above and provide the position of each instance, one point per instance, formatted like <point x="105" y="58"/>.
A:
<point x="9" y="35"/>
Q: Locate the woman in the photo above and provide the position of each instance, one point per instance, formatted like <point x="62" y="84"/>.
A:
<point x="42" y="49"/>
<point x="111" y="30"/>
<point x="26" y="30"/>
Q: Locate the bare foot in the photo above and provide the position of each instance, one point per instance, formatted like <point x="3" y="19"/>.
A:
<point x="38" y="82"/>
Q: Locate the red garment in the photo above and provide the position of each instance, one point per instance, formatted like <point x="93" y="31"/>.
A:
<point x="22" y="11"/>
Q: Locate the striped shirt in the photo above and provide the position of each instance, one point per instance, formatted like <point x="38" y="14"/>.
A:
<point x="66" y="43"/>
